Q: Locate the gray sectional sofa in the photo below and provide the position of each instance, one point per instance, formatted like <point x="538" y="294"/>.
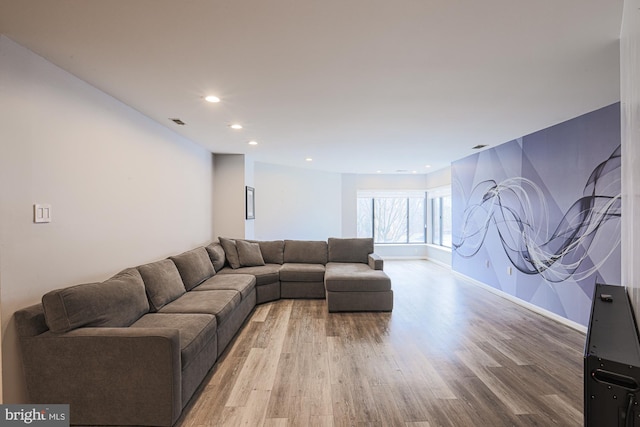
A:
<point x="132" y="350"/>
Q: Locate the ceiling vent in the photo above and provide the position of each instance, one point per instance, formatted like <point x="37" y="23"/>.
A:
<point x="479" y="146"/>
<point x="178" y="122"/>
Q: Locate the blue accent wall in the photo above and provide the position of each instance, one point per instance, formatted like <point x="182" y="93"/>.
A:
<point x="539" y="217"/>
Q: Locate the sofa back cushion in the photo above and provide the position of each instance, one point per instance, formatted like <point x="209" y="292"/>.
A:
<point x="162" y="282"/>
<point x="230" y="252"/>
<point x="350" y="250"/>
<point x="272" y="251"/>
<point x="116" y="302"/>
<point x="194" y="267"/>
<point x="305" y="251"/>
<point x="216" y="255"/>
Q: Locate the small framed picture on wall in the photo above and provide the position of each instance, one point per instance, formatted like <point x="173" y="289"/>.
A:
<point x="250" y="198"/>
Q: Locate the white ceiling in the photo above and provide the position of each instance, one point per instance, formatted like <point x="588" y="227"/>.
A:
<point x="358" y="85"/>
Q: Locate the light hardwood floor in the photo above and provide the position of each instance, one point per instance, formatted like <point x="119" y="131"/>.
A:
<point x="450" y="354"/>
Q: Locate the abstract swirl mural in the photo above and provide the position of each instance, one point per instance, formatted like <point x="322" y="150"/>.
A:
<point x="539" y="217"/>
<point x="516" y="207"/>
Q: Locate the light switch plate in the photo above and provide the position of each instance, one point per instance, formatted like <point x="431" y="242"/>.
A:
<point x="41" y="213"/>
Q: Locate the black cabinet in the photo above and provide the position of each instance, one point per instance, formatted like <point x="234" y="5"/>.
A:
<point x="611" y="361"/>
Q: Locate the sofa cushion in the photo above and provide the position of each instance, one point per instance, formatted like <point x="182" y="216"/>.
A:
<point x="350" y="250"/>
<point x="216" y="255"/>
<point x="194" y="266"/>
<point x="305" y="251"/>
<point x="299" y="272"/>
<point x="355" y="277"/>
<point x="272" y="251"/>
<point x="230" y="251"/>
<point x="264" y="274"/>
<point x="220" y="303"/>
<point x="116" y="302"/>
<point x="196" y="330"/>
<point x="243" y="283"/>
<point x="162" y="282"/>
<point x="249" y="254"/>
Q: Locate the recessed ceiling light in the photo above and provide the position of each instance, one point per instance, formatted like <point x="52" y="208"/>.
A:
<point x="427" y="166"/>
<point x="479" y="146"/>
<point x="211" y="98"/>
<point x="253" y="142"/>
<point x="378" y="171"/>
<point x="177" y="121"/>
<point x="414" y="171"/>
<point x="236" y="126"/>
<point x="309" y="159"/>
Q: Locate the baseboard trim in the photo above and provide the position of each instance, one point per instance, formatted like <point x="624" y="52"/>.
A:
<point x="440" y="263"/>
<point x="420" y="258"/>
<point x="551" y="315"/>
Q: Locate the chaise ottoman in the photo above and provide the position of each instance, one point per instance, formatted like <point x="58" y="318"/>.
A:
<point x="357" y="287"/>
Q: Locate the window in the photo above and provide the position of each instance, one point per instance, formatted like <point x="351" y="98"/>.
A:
<point x="392" y="216"/>
<point x="439" y="202"/>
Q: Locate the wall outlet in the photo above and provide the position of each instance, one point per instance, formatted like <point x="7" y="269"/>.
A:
<point x="509" y="271"/>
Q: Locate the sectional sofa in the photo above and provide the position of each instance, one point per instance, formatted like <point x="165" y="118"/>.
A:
<point x="132" y="350"/>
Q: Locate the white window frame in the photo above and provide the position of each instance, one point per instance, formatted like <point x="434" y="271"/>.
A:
<point x="397" y="194"/>
<point x="435" y="193"/>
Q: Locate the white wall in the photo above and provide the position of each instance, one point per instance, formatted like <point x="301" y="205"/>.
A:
<point x="249" y="180"/>
<point x="391" y="182"/>
<point x="630" y="109"/>
<point x="124" y="189"/>
<point x="439" y="178"/>
<point x="349" y="192"/>
<point x="228" y="188"/>
<point x="296" y="203"/>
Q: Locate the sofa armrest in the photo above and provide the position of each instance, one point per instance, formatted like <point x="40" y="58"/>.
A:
<point x="376" y="262"/>
<point x="107" y="375"/>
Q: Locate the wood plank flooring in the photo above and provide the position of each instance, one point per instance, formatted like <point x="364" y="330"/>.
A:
<point x="450" y="354"/>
